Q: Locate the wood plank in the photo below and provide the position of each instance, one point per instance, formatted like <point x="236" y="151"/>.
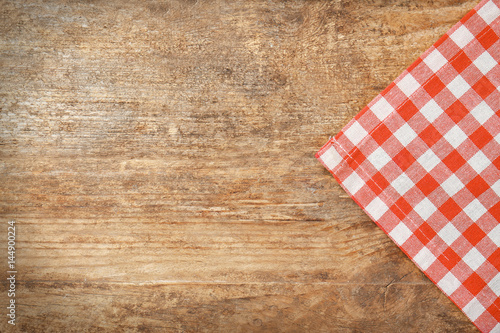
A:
<point x="214" y="307"/>
<point x="158" y="157"/>
<point x="122" y="250"/>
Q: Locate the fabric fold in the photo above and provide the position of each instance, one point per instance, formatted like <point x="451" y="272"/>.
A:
<point x="423" y="157"/>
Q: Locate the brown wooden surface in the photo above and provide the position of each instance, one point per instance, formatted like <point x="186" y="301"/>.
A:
<point x="158" y="160"/>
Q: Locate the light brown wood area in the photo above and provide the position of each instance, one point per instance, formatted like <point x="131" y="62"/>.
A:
<point x="158" y="158"/>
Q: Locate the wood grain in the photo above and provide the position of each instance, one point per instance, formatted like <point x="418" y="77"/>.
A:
<point x="158" y="158"/>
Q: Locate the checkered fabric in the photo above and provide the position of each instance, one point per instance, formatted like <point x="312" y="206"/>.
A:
<point x="423" y="159"/>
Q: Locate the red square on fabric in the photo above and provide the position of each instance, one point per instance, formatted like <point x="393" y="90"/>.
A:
<point x="474" y="283"/>
<point x="483" y="87"/>
<point x="494" y="259"/>
<point x="481" y="137"/>
<point x="381" y="134"/>
<point x="457" y="111"/>
<point x="477" y="186"/>
<point x="495" y="211"/>
<point x="434" y="86"/>
<point x="401" y="208"/>
<point x="461" y="62"/>
<point x="487" y="37"/>
<point x="496" y="162"/>
<point x="378" y="183"/>
<point x="449" y="258"/>
<point x="357" y="159"/>
<point x="425" y="233"/>
<point x="450" y="209"/>
<point x="404" y="159"/>
<point x="454" y="161"/>
<point x="474" y="234"/>
<point x="407" y="110"/>
<point x="427" y="184"/>
<point x="430" y="135"/>
<point x="494" y="309"/>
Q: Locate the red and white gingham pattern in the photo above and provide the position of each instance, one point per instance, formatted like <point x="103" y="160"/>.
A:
<point x="423" y="159"/>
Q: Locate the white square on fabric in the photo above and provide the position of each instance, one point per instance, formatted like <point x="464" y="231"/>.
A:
<point x="494" y="235"/>
<point x="400" y="233"/>
<point x="431" y="110"/>
<point x="482" y="112"/>
<point x="455" y="136"/>
<point x="424" y="258"/>
<point x="449" y="283"/>
<point x="494" y="284"/>
<point x="408" y="85"/>
<point x="376" y="208"/>
<point x="458" y="86"/>
<point x="474" y="309"/>
<point x="496" y="187"/>
<point x="475" y="210"/>
<point x="405" y="134"/>
<point x="428" y="160"/>
<point x="382" y="108"/>
<point x="435" y="60"/>
<point x="331" y="158"/>
<point x="485" y="62"/>
<point x="462" y="36"/>
<point x="474" y="259"/>
<point x="489" y="12"/>
<point x="353" y="183"/>
<point x="355" y="133"/>
<point x="479" y="162"/>
<point x="452" y="185"/>
<point x="449" y="234"/>
<point x="379" y="158"/>
<point x="402" y="184"/>
<point x="425" y="209"/>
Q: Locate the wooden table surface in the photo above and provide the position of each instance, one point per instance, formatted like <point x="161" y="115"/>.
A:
<point x="158" y="158"/>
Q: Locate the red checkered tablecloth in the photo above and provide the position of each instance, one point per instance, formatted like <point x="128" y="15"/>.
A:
<point x="423" y="159"/>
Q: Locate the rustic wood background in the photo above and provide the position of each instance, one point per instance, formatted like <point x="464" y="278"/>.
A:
<point x="158" y="158"/>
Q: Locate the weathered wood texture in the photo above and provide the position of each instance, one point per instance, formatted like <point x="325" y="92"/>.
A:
<point x="158" y="160"/>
